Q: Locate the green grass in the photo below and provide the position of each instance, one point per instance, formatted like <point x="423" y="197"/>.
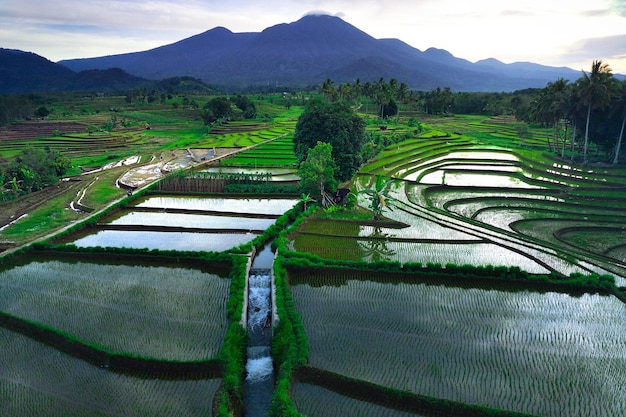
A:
<point x="40" y="221"/>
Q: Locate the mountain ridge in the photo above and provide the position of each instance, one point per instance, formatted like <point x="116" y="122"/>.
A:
<point x="316" y="47"/>
<point x="302" y="54"/>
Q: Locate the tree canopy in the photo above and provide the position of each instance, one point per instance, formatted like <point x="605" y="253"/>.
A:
<point x="593" y="106"/>
<point x="317" y="172"/>
<point x="216" y="108"/>
<point x="35" y="169"/>
<point x="334" y="123"/>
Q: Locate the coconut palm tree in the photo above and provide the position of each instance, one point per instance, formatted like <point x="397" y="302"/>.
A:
<point x="328" y="89"/>
<point x="381" y="94"/>
<point x="345" y="91"/>
<point x="620" y="102"/>
<point x="403" y="94"/>
<point x="551" y="107"/>
<point x="379" y="195"/>
<point x="594" y="93"/>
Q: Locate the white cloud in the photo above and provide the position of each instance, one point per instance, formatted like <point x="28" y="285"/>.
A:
<point x="619" y="7"/>
<point x="610" y="50"/>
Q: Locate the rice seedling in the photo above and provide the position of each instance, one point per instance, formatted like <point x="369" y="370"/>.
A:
<point x="314" y="401"/>
<point x="159" y="312"/>
<point x="38" y="380"/>
<point x="547" y="354"/>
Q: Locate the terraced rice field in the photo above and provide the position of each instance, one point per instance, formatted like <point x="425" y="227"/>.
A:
<point x="35" y="377"/>
<point x="276" y="153"/>
<point x="510" y="197"/>
<point x="167" y="313"/>
<point x="314" y="401"/>
<point x="546" y="354"/>
<point x="184" y="223"/>
<point x="241" y="134"/>
<point x="464" y="199"/>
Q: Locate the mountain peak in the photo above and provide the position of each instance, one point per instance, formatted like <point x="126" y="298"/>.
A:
<point x="438" y="53"/>
<point x="305" y="52"/>
<point x="316" y="30"/>
<point x="492" y="62"/>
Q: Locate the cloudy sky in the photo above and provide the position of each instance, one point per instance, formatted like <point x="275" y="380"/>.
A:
<point x="569" y="33"/>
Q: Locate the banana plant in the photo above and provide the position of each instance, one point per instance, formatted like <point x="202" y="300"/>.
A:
<point x="379" y="195"/>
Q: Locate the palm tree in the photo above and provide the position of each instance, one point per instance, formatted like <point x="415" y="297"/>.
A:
<point x="345" y="91"/>
<point x="379" y="195"/>
<point x="403" y="94"/>
<point x="393" y="87"/>
<point x="382" y="95"/>
<point x="621" y="101"/>
<point x="357" y="88"/>
<point x="328" y="89"/>
<point x="551" y="107"/>
<point x="594" y="92"/>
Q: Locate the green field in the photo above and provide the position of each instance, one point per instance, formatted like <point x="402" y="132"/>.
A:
<point x="468" y="184"/>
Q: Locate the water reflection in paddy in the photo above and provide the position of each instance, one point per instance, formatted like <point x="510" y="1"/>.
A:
<point x="233" y="205"/>
<point x="191" y="220"/>
<point x="475" y="179"/>
<point x="165" y="240"/>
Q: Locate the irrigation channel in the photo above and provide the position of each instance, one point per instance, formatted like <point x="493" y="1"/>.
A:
<point x="259" y="383"/>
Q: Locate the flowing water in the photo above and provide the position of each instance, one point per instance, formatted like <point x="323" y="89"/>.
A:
<point x="259" y="383"/>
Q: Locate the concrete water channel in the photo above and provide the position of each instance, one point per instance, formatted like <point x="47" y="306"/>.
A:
<point x="260" y="318"/>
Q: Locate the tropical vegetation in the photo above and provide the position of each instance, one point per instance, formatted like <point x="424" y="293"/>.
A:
<point x="591" y="108"/>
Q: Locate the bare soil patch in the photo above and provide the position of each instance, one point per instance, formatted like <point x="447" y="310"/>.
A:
<point x="37" y="129"/>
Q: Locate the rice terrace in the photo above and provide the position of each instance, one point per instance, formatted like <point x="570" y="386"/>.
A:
<point x="475" y="267"/>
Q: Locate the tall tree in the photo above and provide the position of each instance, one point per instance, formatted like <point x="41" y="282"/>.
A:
<point x="403" y="94"/>
<point x="335" y="123"/>
<point x="317" y="173"/>
<point x="345" y="92"/>
<point x="594" y="93"/>
<point x="620" y="102"/>
<point x="551" y="107"/>
<point x="328" y="89"/>
<point x="381" y="93"/>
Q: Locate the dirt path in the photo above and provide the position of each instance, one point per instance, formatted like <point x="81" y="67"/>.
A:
<point x="13" y="209"/>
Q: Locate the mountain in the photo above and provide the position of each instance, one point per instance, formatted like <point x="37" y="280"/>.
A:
<point x="26" y="72"/>
<point x="193" y="56"/>
<point x="306" y="52"/>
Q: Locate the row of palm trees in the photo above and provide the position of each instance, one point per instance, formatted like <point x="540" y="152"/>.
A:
<point x="597" y="97"/>
<point x="381" y="92"/>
